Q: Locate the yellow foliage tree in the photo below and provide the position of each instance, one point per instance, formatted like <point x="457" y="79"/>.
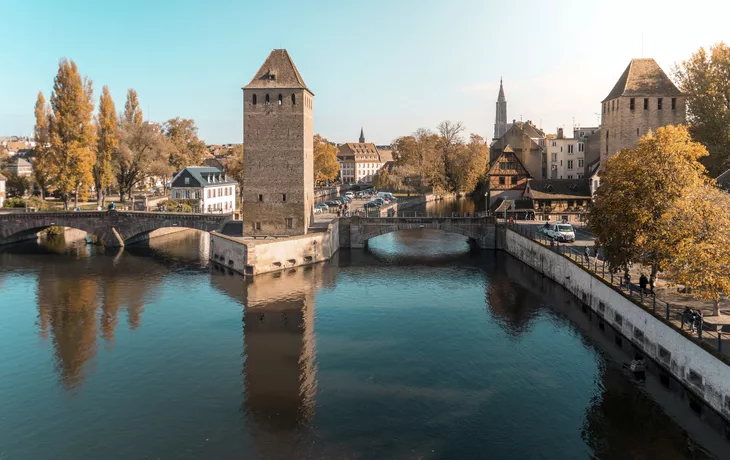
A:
<point x="108" y="140"/>
<point x="654" y="206"/>
<point x="71" y="132"/>
<point x="42" y="166"/>
<point x="326" y="167"/>
<point x="132" y="111"/>
<point x="185" y="147"/>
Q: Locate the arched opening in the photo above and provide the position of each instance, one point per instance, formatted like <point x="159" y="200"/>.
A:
<point x="280" y="99"/>
<point x="419" y="245"/>
<point x="253" y="99"/>
<point x="293" y="99"/>
<point x="267" y="99"/>
<point x="53" y="238"/>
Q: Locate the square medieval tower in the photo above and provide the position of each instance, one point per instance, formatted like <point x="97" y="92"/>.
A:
<point x="278" y="169"/>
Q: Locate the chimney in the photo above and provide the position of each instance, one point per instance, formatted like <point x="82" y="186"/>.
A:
<point x="560" y="133"/>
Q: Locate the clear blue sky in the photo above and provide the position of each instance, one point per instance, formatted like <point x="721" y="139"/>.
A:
<point x="391" y="66"/>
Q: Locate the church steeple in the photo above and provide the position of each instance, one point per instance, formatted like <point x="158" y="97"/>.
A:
<point x="362" y="136"/>
<point x="500" y="119"/>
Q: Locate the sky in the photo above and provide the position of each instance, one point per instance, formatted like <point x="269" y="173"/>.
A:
<point x="389" y="66"/>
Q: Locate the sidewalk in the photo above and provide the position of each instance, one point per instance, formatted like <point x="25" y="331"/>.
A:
<point x="668" y="302"/>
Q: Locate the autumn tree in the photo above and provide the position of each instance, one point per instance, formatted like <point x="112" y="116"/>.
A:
<point x="468" y="164"/>
<point x="107" y="142"/>
<point x="383" y="181"/>
<point x="42" y="172"/>
<point x="637" y="215"/>
<point x="450" y="141"/>
<point x="326" y="167"/>
<point x="132" y="111"/>
<point x="418" y="155"/>
<point x="234" y="167"/>
<point x="700" y="258"/>
<point x="71" y="132"/>
<point x="705" y="79"/>
<point x="185" y="147"/>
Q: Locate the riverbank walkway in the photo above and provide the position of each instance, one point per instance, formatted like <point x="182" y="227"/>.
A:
<point x="667" y="301"/>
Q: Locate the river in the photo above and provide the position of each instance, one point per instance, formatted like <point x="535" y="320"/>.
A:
<point x="414" y="348"/>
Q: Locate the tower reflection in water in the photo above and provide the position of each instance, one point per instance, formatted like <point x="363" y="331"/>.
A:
<point x="279" y="368"/>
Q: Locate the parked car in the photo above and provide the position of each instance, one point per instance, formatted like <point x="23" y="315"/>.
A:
<point x="333" y="204"/>
<point x="378" y="201"/>
<point x="350" y="195"/>
<point x="370" y="205"/>
<point x="561" y="231"/>
<point x="320" y="208"/>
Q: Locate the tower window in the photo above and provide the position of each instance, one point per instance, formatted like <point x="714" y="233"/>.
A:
<point x="659" y="103"/>
<point x="280" y="99"/>
<point x="267" y="99"/>
<point x="293" y="99"/>
<point x="637" y="132"/>
<point x="631" y="104"/>
<point x="254" y="99"/>
<point x="289" y="222"/>
<point x="257" y="226"/>
<point x="613" y="106"/>
<point x="283" y="197"/>
<point x="674" y="103"/>
<point x="646" y="103"/>
<point x="261" y="197"/>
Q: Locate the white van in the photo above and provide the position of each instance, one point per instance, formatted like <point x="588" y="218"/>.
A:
<point x="562" y="232"/>
<point x="350" y="195"/>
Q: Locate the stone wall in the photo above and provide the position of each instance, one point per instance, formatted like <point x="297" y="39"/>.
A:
<point x="701" y="372"/>
<point x="254" y="257"/>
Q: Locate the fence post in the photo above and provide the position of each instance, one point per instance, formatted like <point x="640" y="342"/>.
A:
<point x="699" y="329"/>
<point x="719" y="339"/>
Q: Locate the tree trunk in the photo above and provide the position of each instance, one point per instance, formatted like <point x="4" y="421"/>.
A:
<point x="716" y="307"/>
<point x="76" y="198"/>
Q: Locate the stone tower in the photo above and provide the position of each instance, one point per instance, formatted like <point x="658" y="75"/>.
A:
<point x="278" y="178"/>
<point x="362" y="136"/>
<point x="500" y="120"/>
<point x="643" y="99"/>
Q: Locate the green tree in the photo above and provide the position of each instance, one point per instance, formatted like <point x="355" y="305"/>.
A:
<point x="71" y="132"/>
<point x="634" y="215"/>
<point x="185" y="147"/>
<point x="326" y="167"/>
<point x="705" y="79"/>
<point x="42" y="165"/>
<point x="107" y="142"/>
<point x="17" y="186"/>
<point x="132" y="111"/>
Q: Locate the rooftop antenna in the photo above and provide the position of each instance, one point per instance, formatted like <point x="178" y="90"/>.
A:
<point x="598" y="118"/>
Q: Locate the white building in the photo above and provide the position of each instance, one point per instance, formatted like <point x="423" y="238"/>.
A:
<point x="21" y="167"/>
<point x="566" y="157"/>
<point x="215" y="192"/>
<point x="3" y="180"/>
<point x="360" y="161"/>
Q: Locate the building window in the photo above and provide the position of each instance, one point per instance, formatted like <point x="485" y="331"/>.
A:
<point x="570" y="148"/>
<point x="254" y="99"/>
<point x="631" y="104"/>
<point x="281" y="100"/>
<point x="646" y="103"/>
<point x="570" y="164"/>
<point x="257" y="226"/>
<point x="501" y="180"/>
<point x="293" y="99"/>
<point x="659" y="103"/>
<point x="261" y="197"/>
<point x="674" y="103"/>
<point x="580" y="146"/>
<point x="580" y="162"/>
<point x="637" y="132"/>
<point x="289" y="222"/>
<point x="613" y="106"/>
<point x="554" y="143"/>
<point x="283" y="197"/>
<point x="187" y="181"/>
<point x="267" y="99"/>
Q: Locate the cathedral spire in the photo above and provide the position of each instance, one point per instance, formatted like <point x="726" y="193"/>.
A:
<point x="500" y="119"/>
<point x="362" y="136"/>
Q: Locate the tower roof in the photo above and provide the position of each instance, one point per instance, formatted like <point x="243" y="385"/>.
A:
<point x="362" y="136"/>
<point x="643" y="77"/>
<point x="501" y="91"/>
<point x="278" y="71"/>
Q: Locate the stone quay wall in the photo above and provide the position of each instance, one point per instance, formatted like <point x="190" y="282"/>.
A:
<point x="702" y="373"/>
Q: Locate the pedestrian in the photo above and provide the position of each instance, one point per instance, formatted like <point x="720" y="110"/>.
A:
<point x="686" y="317"/>
<point x="595" y="249"/>
<point x="692" y="319"/>
<point x="643" y="282"/>
<point x="699" y="317"/>
<point x="587" y="254"/>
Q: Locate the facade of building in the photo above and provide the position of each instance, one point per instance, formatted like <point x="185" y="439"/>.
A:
<point x="566" y="157"/>
<point x="643" y="99"/>
<point x="278" y="187"/>
<point x="214" y="191"/>
<point x="360" y="161"/>
<point x="21" y="167"/>
<point x="527" y="142"/>
<point x="507" y="177"/>
<point x="500" y="118"/>
<point x="3" y="182"/>
<point x="563" y="200"/>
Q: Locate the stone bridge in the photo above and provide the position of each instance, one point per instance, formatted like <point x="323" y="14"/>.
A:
<point x="111" y="228"/>
<point x="479" y="229"/>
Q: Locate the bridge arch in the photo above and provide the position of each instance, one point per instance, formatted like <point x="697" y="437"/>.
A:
<point x="476" y="229"/>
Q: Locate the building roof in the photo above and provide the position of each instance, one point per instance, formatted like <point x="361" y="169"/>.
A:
<point x="724" y="180"/>
<point x="204" y="176"/>
<point x="22" y="163"/>
<point x="278" y="71"/>
<point x="643" y="77"/>
<point x="386" y="155"/>
<point x="365" y="151"/>
<point x="557" y="189"/>
<point x="593" y="168"/>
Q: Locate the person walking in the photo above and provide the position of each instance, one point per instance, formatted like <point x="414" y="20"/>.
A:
<point x="699" y="317"/>
<point x="587" y="254"/>
<point x="643" y="282"/>
<point x="692" y="320"/>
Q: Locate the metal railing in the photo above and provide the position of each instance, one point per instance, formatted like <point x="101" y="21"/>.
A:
<point x="646" y="298"/>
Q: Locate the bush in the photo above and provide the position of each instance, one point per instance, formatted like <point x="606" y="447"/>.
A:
<point x="171" y="205"/>
<point x="32" y="202"/>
